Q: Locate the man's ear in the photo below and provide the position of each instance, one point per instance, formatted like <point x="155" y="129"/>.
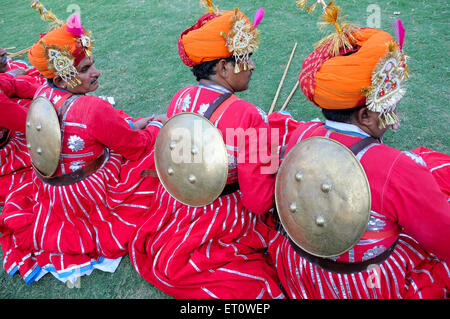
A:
<point x="59" y="82"/>
<point x="362" y="117"/>
<point x="223" y="68"/>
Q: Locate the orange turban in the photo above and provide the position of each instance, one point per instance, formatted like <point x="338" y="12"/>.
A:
<point x="205" y="42"/>
<point x="60" y="50"/>
<point x="337" y="82"/>
<point x="355" y="67"/>
<point x="214" y="36"/>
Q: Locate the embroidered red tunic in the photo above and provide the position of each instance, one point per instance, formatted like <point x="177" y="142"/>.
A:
<point x="16" y="94"/>
<point x="214" y="251"/>
<point x="405" y="196"/>
<point x="69" y="230"/>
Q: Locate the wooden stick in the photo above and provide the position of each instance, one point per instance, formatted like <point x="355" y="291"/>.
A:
<point x="290" y="96"/>
<point x="21" y="52"/>
<point x="282" y="79"/>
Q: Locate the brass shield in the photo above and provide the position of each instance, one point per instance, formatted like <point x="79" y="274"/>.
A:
<point x="43" y="135"/>
<point x="191" y="159"/>
<point x="323" y="197"/>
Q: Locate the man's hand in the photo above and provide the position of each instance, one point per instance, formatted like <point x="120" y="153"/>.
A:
<point x="160" y="118"/>
<point x="2" y="52"/>
<point x="143" y="122"/>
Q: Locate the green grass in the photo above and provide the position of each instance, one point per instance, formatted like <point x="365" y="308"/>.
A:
<point x="136" y="51"/>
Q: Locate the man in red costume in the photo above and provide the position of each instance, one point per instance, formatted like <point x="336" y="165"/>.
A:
<point x="217" y="250"/>
<point x="17" y="89"/>
<point x="403" y="252"/>
<point x="81" y="216"/>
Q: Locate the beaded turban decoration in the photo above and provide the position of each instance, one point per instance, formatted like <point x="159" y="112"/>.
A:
<point x="219" y="35"/>
<point x="355" y="66"/>
<point x="59" y="51"/>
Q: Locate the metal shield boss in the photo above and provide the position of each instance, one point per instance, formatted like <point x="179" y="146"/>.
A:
<point x="323" y="197"/>
<point x="43" y="135"/>
<point x="191" y="159"/>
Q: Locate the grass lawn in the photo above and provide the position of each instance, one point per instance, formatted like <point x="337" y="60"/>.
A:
<point x="136" y="51"/>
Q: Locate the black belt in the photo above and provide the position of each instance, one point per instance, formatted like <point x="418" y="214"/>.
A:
<point x="74" y="177"/>
<point x="343" y="267"/>
<point x="333" y="265"/>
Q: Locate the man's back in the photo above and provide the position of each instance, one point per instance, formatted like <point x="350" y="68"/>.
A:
<point x="409" y="218"/>
<point x="405" y="196"/>
<point x="241" y="125"/>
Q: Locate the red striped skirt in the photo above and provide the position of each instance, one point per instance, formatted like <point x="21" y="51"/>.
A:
<point x="215" y="251"/>
<point x="69" y="230"/>
<point x="409" y="272"/>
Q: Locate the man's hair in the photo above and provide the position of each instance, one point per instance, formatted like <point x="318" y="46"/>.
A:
<point x="206" y="69"/>
<point x="343" y="116"/>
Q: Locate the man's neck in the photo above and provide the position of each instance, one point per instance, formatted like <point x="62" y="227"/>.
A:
<point x="216" y="82"/>
<point x="346" y="127"/>
<point x="215" y="85"/>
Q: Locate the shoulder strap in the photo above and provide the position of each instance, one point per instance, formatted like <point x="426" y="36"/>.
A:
<point x="361" y="144"/>
<point x="62" y="100"/>
<point x="61" y="108"/>
<point x="219" y="106"/>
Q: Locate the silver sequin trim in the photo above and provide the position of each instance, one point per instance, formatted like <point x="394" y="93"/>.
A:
<point x="372" y="253"/>
<point x="416" y="158"/>
<point x="263" y="115"/>
<point x="186" y="103"/>
<point x="203" y="109"/>
<point x="76" y="165"/>
<point x="75" y="143"/>
<point x="375" y="224"/>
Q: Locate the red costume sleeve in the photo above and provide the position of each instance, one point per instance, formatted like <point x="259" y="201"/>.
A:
<point x="22" y="87"/>
<point x="110" y="128"/>
<point x="422" y="209"/>
<point x="17" y="64"/>
<point x="13" y="116"/>
<point x="25" y="87"/>
<point x="285" y="124"/>
<point x="7" y="84"/>
<point x="439" y="165"/>
<point x="255" y="172"/>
